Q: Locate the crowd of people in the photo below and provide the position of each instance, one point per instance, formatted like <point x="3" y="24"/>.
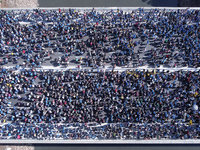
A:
<point x="117" y="102"/>
<point x="86" y="104"/>
<point x="116" y="37"/>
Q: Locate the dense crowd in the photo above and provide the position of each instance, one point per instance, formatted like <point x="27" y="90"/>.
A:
<point x="86" y="104"/>
<point x="95" y="38"/>
<point x="44" y="102"/>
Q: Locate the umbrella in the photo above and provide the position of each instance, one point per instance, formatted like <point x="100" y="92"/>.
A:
<point x="194" y="107"/>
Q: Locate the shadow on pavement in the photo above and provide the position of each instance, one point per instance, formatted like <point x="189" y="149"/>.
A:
<point x="108" y="3"/>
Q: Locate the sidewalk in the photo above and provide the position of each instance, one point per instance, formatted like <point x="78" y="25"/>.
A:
<point x="18" y="3"/>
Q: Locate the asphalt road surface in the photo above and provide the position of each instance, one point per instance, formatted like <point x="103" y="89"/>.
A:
<point x="117" y="147"/>
<point x="101" y="147"/>
<point x="108" y="3"/>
